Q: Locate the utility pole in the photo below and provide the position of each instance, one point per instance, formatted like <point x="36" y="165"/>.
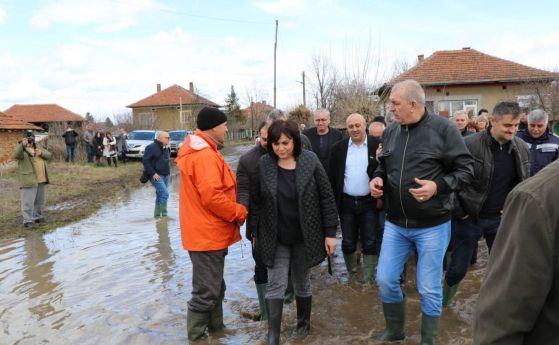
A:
<point x="275" y="53"/>
<point x="304" y="92"/>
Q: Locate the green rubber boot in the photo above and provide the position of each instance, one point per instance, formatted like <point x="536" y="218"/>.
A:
<point x="369" y="269"/>
<point x="351" y="264"/>
<point x="163" y="209"/>
<point x="216" y="318"/>
<point x="448" y="294"/>
<point x="157" y="211"/>
<point x="196" y="325"/>
<point x="429" y="329"/>
<point x="261" y="291"/>
<point x="395" y="318"/>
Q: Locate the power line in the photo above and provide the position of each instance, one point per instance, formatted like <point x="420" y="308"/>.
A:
<point x="181" y="13"/>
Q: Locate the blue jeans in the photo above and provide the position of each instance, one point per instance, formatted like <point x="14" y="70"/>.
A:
<point x="431" y="244"/>
<point x="161" y="189"/>
<point x="467" y="234"/>
<point x="358" y="221"/>
<point x="70" y="149"/>
<point x="89" y="149"/>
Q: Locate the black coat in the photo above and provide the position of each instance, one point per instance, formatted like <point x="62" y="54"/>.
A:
<point x="247" y="185"/>
<point x="332" y="137"/>
<point x="472" y="197"/>
<point x="338" y="155"/>
<point x="431" y="149"/>
<point x="98" y="146"/>
<point x="317" y="208"/>
<point x="156" y="159"/>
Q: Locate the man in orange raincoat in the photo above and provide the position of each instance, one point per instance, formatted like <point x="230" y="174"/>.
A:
<point x="210" y="218"/>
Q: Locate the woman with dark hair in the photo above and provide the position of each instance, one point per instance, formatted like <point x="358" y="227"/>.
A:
<point x="297" y="222"/>
<point x="98" y="146"/>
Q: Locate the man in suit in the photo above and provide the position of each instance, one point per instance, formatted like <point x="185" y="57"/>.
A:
<point x="352" y="164"/>
<point x="322" y="137"/>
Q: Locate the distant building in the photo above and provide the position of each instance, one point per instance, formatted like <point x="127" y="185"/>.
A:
<point x="11" y="131"/>
<point x="172" y="108"/>
<point x="256" y="113"/>
<point x="469" y="80"/>
<point x="45" y="115"/>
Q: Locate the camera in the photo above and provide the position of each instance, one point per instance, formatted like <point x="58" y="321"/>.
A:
<point x="30" y="137"/>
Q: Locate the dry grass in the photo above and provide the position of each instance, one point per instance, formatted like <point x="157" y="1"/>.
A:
<point x="76" y="186"/>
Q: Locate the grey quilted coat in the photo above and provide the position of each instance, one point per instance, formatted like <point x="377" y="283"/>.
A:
<point x="317" y="208"/>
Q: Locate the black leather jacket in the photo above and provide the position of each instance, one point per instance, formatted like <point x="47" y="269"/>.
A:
<point x="472" y="197"/>
<point x="431" y="149"/>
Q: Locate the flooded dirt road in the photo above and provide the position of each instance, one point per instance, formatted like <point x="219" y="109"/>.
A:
<point x="121" y="277"/>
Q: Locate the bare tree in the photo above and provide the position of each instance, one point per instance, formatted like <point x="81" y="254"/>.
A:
<point x="323" y="82"/>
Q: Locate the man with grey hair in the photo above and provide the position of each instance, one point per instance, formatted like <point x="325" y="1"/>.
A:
<point x="156" y="165"/>
<point x="502" y="160"/>
<point x="460" y="119"/>
<point x="423" y="161"/>
<point x="543" y="145"/>
<point x="278" y="114"/>
<point x="322" y="136"/>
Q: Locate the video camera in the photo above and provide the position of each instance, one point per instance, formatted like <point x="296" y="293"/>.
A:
<point x="30" y="136"/>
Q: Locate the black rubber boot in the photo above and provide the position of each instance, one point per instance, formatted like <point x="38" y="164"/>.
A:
<point x="275" y="309"/>
<point x="395" y="317"/>
<point x="304" y="306"/>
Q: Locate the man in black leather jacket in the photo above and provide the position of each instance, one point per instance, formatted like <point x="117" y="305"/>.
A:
<point x="501" y="161"/>
<point x="423" y="161"/>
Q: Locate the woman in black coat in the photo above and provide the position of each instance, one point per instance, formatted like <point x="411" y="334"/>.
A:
<point x="98" y="146"/>
<point x="297" y="222"/>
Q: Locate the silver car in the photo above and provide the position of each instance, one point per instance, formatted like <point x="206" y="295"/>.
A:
<point x="177" y="139"/>
<point x="137" y="142"/>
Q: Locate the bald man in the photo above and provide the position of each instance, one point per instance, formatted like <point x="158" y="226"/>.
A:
<point x="352" y="164"/>
<point x="156" y="165"/>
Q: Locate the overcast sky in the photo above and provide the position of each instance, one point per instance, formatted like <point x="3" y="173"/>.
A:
<point x="101" y="55"/>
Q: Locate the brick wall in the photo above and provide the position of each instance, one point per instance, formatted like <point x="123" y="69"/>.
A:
<point x="8" y="141"/>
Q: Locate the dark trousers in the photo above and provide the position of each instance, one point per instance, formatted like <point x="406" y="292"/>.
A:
<point x="208" y="286"/>
<point x="70" y="150"/>
<point x="89" y="150"/>
<point x="379" y="229"/>
<point x="467" y="233"/>
<point x="122" y="155"/>
<point x="260" y="270"/>
<point x="358" y="221"/>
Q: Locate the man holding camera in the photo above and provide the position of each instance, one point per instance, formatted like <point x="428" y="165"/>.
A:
<point x="33" y="178"/>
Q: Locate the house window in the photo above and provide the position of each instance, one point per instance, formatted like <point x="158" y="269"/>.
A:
<point x="146" y="119"/>
<point x="447" y="108"/>
<point x="186" y="116"/>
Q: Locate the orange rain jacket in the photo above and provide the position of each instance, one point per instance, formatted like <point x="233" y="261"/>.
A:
<point x="207" y="196"/>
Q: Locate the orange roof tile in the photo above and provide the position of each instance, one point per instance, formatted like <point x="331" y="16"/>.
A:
<point x="173" y="95"/>
<point x="469" y="66"/>
<point x="9" y="122"/>
<point x="258" y="109"/>
<point x="43" y="113"/>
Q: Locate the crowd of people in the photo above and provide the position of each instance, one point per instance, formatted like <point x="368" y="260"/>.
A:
<point x="411" y="183"/>
<point x="98" y="145"/>
<point x="421" y="185"/>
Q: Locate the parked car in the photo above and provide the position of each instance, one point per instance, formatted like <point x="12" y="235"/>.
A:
<point x="177" y="139"/>
<point x="137" y="142"/>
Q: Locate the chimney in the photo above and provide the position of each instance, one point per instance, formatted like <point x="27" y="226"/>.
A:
<point x="420" y="58"/>
<point x="264" y="102"/>
<point x="191" y="87"/>
<point x="158" y="87"/>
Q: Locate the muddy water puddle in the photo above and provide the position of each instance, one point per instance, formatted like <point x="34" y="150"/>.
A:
<point x="121" y="277"/>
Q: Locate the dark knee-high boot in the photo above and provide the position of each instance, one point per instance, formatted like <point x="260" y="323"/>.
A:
<point x="275" y="309"/>
<point x="304" y="306"/>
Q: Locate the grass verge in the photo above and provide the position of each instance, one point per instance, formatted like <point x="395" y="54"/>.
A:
<point x="75" y="192"/>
